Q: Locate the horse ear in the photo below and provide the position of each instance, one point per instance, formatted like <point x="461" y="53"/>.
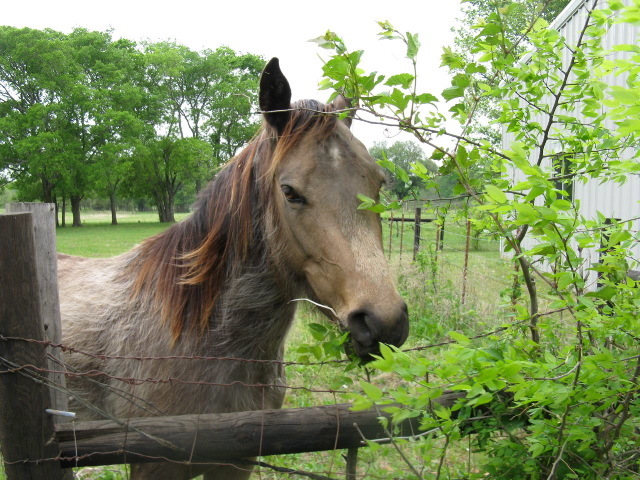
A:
<point x="275" y="94"/>
<point x="342" y="103"/>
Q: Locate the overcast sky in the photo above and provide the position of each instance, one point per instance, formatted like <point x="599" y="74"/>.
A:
<point x="271" y="29"/>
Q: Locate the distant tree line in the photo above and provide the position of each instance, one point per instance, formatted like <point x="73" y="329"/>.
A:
<point x="83" y="115"/>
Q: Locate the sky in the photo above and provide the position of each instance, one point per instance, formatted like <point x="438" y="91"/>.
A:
<point x="272" y="29"/>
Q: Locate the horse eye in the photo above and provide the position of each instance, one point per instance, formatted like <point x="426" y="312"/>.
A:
<point x="291" y="195"/>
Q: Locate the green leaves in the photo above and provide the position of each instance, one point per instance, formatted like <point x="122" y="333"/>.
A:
<point x="413" y="45"/>
<point x="452" y="93"/>
<point x="495" y="194"/>
<point x="557" y="131"/>
<point x="373" y="206"/>
<point x="370" y="204"/>
<point x="404" y="80"/>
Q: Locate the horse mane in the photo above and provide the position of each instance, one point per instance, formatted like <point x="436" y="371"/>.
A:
<point x="183" y="270"/>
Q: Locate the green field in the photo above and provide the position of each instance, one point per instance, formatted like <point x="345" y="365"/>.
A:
<point x="98" y="238"/>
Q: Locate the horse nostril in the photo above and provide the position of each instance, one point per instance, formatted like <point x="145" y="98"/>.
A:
<point x="368" y="329"/>
<point x="363" y="327"/>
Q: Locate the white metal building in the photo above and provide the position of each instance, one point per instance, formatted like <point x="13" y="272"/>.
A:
<point x="613" y="200"/>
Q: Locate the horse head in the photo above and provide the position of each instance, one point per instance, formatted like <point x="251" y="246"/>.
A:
<point x="331" y="245"/>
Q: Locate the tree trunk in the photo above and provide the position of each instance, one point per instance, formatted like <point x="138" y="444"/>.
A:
<point x="165" y="207"/>
<point x="75" y="210"/>
<point x="64" y="210"/>
<point x="56" y="212"/>
<point x="47" y="191"/>
<point x="170" y="209"/>
<point x="112" y="203"/>
<point x="160" y="206"/>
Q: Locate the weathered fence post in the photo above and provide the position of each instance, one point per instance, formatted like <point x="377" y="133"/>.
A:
<point x="416" y="233"/>
<point x="401" y="235"/>
<point x="27" y="436"/>
<point x="44" y="233"/>
<point x="352" y="464"/>
<point x="465" y="269"/>
<point x="441" y="234"/>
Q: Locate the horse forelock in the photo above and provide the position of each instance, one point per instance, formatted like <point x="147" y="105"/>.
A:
<point x="183" y="271"/>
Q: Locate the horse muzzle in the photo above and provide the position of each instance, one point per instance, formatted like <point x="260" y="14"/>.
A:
<point x="369" y="328"/>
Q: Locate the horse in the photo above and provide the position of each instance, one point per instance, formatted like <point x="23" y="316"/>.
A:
<point x="278" y="223"/>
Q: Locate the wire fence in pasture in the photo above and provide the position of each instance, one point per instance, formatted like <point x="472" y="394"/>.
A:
<point x="126" y="390"/>
<point x="450" y="250"/>
<point x="313" y="380"/>
<point x="474" y="255"/>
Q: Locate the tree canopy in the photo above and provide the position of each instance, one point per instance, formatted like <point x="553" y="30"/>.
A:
<point x="83" y="114"/>
<point x="511" y="21"/>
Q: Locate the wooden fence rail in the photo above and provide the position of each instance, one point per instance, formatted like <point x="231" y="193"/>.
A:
<point x="209" y="438"/>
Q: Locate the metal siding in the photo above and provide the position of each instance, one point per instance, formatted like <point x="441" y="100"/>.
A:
<point x="610" y="199"/>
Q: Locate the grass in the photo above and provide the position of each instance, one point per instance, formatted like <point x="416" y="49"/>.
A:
<point x="432" y="287"/>
<point x="98" y="238"/>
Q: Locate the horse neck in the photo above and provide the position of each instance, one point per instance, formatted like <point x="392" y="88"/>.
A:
<point x="254" y="312"/>
<point x="255" y="309"/>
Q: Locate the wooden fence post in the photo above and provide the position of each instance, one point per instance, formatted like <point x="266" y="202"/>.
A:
<point x="44" y="232"/>
<point x="465" y="269"/>
<point x="401" y="235"/>
<point x="27" y="436"/>
<point x="416" y="233"/>
<point x="352" y="464"/>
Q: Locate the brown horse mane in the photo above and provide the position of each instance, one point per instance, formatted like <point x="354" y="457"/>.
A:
<point x="183" y="270"/>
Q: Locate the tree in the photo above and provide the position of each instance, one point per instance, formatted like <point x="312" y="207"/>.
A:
<point x="209" y="96"/>
<point x="398" y="158"/>
<point x="100" y="106"/>
<point x="124" y="124"/>
<point x="561" y="388"/>
<point x="76" y="110"/>
<point x="508" y="18"/>
<point x="164" y="166"/>
<point x="34" y="68"/>
<point x="69" y="102"/>
<point x="230" y="123"/>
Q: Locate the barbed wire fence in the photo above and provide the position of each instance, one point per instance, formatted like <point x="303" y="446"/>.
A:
<point x="74" y="442"/>
<point x="72" y="437"/>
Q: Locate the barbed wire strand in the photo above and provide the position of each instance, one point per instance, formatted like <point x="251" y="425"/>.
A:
<point x="95" y="372"/>
<point x="36" y="374"/>
<point x="139" y="402"/>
